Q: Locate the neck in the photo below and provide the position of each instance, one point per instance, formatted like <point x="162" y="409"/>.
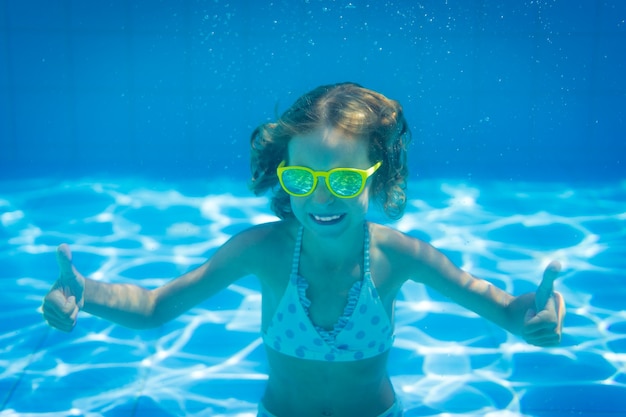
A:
<point x="335" y="251"/>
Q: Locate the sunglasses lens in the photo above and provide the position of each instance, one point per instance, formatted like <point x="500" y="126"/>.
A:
<point x="345" y="183"/>
<point x="297" y="181"/>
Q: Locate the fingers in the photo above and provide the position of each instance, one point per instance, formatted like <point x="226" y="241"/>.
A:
<point x="547" y="336"/>
<point x="544" y="340"/>
<point x="60" y="312"/>
<point x="545" y="328"/>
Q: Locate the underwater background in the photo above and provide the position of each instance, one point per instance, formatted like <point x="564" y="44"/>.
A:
<point x="531" y="90"/>
<point x="124" y="131"/>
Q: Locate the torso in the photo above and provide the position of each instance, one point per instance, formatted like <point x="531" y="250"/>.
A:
<point x="305" y="388"/>
<point x="320" y="388"/>
<point x="359" y="387"/>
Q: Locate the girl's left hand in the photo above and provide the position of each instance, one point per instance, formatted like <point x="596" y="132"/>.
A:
<point x="543" y="323"/>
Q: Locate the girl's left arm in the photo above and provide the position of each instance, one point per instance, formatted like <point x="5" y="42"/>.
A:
<point x="538" y="319"/>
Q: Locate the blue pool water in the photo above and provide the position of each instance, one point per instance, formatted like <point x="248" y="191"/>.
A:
<point x="124" y="132"/>
<point x="210" y="362"/>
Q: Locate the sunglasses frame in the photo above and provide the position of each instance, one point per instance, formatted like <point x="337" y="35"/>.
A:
<point x="364" y="173"/>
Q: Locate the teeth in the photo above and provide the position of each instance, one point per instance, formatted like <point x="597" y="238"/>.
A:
<point x="326" y="218"/>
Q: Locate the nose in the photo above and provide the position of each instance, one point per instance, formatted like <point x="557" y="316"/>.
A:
<point x="321" y="195"/>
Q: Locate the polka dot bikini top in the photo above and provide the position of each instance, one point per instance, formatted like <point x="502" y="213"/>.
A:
<point x="363" y="331"/>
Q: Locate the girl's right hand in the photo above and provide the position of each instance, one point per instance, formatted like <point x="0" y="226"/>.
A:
<point x="66" y="297"/>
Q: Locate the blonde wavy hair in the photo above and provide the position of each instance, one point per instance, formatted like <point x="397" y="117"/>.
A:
<point x="356" y="111"/>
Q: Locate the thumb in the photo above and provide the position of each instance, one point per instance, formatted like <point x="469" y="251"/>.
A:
<point x="546" y="288"/>
<point x="70" y="279"/>
<point x="64" y="260"/>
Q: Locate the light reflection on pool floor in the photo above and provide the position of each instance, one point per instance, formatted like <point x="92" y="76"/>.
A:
<point x="210" y="362"/>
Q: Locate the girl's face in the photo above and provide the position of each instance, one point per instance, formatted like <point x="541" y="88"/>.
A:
<point x="321" y="150"/>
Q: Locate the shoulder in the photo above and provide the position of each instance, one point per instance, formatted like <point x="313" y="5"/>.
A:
<point x="407" y="256"/>
<point x="261" y="244"/>
<point x="266" y="236"/>
<point x="394" y="242"/>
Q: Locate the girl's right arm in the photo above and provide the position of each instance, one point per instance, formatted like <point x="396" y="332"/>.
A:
<point x="137" y="307"/>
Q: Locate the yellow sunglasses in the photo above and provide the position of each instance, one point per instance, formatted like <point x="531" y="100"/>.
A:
<point x="341" y="182"/>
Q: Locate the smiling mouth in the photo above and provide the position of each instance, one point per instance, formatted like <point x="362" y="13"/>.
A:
<point x="328" y="219"/>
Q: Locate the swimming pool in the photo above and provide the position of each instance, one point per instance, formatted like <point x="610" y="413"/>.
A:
<point x="119" y="122"/>
<point x="210" y="362"/>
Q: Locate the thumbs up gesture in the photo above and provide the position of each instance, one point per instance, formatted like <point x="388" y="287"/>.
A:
<point x="65" y="299"/>
<point x="543" y="323"/>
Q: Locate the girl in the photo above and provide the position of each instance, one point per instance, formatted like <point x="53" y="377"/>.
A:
<point x="329" y="278"/>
